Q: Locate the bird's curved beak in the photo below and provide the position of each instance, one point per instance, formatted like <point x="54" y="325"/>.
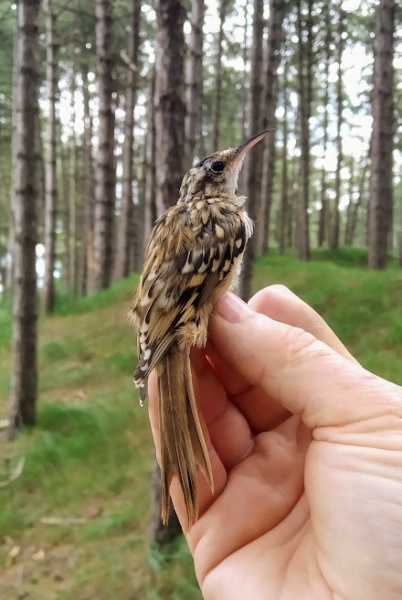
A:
<point x="241" y="151"/>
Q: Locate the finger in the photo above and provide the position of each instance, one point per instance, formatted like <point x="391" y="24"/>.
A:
<point x="279" y="303"/>
<point x="261" y="411"/>
<point x="294" y="368"/>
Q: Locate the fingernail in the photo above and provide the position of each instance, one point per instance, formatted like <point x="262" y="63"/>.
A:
<point x="232" y="308"/>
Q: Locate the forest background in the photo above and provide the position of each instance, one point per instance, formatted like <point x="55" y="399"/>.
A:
<point x="103" y="107"/>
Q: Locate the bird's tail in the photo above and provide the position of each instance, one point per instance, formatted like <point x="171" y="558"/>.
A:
<point x="182" y="440"/>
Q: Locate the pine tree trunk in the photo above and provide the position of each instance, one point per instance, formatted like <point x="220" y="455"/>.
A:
<point x="105" y="179"/>
<point x="357" y="206"/>
<point x="400" y="249"/>
<point x="14" y="134"/>
<point x="125" y="231"/>
<point x="89" y="181"/>
<point x="254" y="167"/>
<point x="72" y="196"/>
<point x="284" y="208"/>
<point x="169" y="102"/>
<point x="216" y="104"/>
<point x="334" y="241"/>
<point x="169" y="157"/>
<point x="322" y="223"/>
<point x="245" y="78"/>
<point x="275" y="38"/>
<point x="24" y="204"/>
<point x="291" y="222"/>
<point x="380" y="207"/>
<point x="50" y="159"/>
<point x="351" y="193"/>
<point x="305" y="93"/>
<point x="150" y="213"/>
<point x="195" y="83"/>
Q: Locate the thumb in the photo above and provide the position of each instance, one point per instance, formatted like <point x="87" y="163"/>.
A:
<point x="297" y="370"/>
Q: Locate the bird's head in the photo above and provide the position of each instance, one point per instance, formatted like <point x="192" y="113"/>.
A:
<point x="217" y="174"/>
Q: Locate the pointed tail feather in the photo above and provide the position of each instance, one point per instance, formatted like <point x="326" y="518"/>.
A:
<point x="182" y="440"/>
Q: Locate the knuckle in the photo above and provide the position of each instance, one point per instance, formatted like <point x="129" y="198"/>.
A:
<point x="299" y="346"/>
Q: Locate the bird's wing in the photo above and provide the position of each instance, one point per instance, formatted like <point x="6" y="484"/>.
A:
<point x="192" y="249"/>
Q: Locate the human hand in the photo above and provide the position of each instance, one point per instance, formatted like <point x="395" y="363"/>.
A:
<point x="306" y="451"/>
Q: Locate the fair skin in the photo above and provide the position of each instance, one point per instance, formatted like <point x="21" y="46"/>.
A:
<point x="306" y="451"/>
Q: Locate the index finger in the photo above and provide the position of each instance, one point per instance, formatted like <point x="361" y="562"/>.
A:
<point x="295" y="369"/>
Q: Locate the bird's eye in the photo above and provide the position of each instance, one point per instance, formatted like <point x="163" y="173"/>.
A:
<point x="217" y="166"/>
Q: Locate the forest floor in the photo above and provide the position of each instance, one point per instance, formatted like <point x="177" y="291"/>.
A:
<point x="73" y="525"/>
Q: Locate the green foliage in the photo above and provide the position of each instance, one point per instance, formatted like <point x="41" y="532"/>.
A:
<point x="103" y="299"/>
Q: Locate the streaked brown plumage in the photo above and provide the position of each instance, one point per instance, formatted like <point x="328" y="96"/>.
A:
<point x="193" y="257"/>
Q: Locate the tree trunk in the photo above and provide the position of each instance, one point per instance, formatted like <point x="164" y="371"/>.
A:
<point x="322" y="223"/>
<point x="50" y="159"/>
<point x="104" y="188"/>
<point x="169" y="156"/>
<point x="125" y="237"/>
<point x="290" y="224"/>
<point x="72" y="196"/>
<point x="400" y="249"/>
<point x="351" y="226"/>
<point x="275" y="37"/>
<point x="334" y="241"/>
<point x="254" y="167"/>
<point x="150" y="213"/>
<point x="195" y="85"/>
<point x="15" y="107"/>
<point x="169" y="102"/>
<point x="380" y="207"/>
<point x="351" y="194"/>
<point x="216" y="104"/>
<point x="89" y="181"/>
<point x="284" y="208"/>
<point x="305" y="93"/>
<point x="245" y="78"/>
<point x="24" y="342"/>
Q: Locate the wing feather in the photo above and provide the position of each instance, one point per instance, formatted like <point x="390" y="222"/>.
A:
<point x="186" y="261"/>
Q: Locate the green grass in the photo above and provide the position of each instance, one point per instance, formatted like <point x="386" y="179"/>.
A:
<point x="90" y="456"/>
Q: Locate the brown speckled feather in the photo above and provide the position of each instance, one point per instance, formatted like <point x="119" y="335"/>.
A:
<point x="193" y="257"/>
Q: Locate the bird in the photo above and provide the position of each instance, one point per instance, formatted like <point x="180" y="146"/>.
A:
<point x="193" y="256"/>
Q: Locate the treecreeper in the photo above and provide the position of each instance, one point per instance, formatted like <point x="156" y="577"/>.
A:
<point x="193" y="256"/>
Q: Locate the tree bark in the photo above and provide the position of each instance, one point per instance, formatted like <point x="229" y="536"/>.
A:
<point x="334" y="241"/>
<point x="150" y="213"/>
<point x="50" y="159"/>
<point x="305" y="94"/>
<point x="104" y="188"/>
<point x="125" y="233"/>
<point x="254" y="167"/>
<point x="169" y="157"/>
<point x="380" y="207"/>
<point x="351" y="194"/>
<point x="284" y="207"/>
<point x="323" y="218"/>
<point x="169" y="102"/>
<point x="24" y="203"/>
<point x="72" y="200"/>
<point x="216" y="104"/>
<point x="194" y="137"/>
<point x="275" y="38"/>
<point x="14" y="129"/>
<point x="245" y="78"/>
<point x="89" y="181"/>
